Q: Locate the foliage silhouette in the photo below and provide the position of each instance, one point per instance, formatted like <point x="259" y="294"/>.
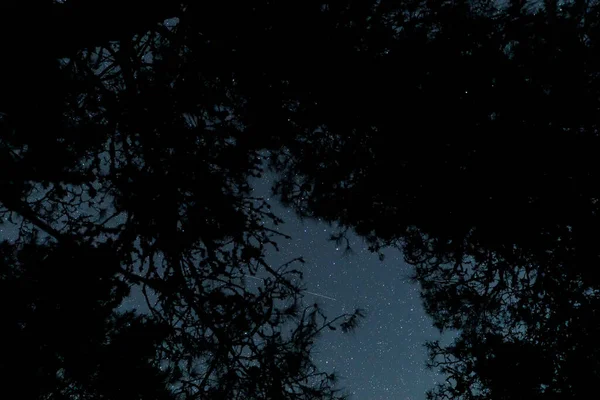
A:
<point x="489" y="187"/>
<point x="126" y="164"/>
<point x="460" y="132"/>
<point x="63" y="338"/>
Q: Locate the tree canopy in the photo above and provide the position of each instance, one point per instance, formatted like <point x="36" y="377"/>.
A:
<point x="463" y="133"/>
<point x="124" y="165"/>
<point x="477" y="159"/>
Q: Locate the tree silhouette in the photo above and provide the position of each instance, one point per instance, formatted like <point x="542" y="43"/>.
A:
<point x="63" y="336"/>
<point x="476" y="158"/>
<point x="126" y="164"/>
<point x="463" y="133"/>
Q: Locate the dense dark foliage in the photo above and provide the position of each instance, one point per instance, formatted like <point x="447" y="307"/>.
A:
<point x="476" y="157"/>
<point x="126" y="166"/>
<point x="464" y="133"/>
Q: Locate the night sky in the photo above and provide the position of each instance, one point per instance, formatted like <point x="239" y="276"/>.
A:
<point x="384" y="358"/>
